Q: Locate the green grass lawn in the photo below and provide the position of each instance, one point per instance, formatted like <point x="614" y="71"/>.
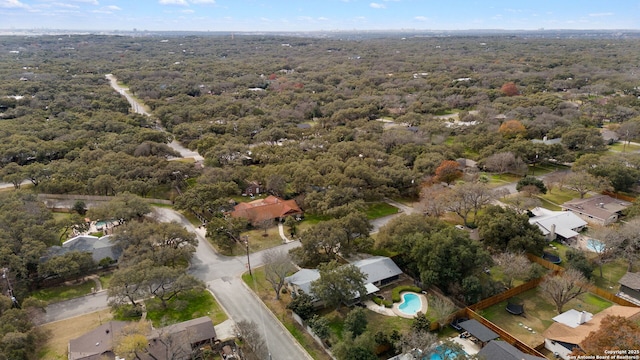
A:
<point x="612" y="272"/>
<point x="105" y="279"/>
<point x="560" y="196"/>
<point x="538" y="313"/>
<point x="185" y="307"/>
<point x="501" y="179"/>
<point x="380" y="209"/>
<point x="257" y="241"/>
<point x="545" y="168"/>
<point x="64" y="292"/>
<point x="620" y="147"/>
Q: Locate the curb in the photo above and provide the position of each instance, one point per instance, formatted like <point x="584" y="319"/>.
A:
<point x="286" y="331"/>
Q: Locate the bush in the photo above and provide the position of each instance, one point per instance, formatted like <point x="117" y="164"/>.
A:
<point x="382" y="302"/>
<point x="395" y="293"/>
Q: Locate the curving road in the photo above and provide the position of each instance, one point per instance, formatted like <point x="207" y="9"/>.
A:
<point x="139" y="108"/>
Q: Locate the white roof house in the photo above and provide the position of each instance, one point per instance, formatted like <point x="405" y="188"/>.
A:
<point x="379" y="270"/>
<point x="552" y="223"/>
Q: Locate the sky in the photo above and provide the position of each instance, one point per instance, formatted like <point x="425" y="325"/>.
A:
<point x="318" y="15"/>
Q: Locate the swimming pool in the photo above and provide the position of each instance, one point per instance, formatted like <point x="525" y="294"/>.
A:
<point x="411" y="304"/>
<point x="448" y="354"/>
<point x="595" y="245"/>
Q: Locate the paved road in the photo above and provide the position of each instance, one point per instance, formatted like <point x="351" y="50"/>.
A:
<point x="139" y="108"/>
<point x="76" y="307"/>
<point x="222" y="276"/>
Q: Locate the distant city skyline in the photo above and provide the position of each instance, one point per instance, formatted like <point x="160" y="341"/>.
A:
<point x="317" y="15"/>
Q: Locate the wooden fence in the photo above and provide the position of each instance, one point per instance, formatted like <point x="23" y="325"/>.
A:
<point x="503" y="334"/>
<point x="591" y="288"/>
<point x="619" y="196"/>
<point x="483" y="304"/>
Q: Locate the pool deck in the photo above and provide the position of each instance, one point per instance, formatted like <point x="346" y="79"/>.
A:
<point x="394" y="311"/>
<point x="469" y="346"/>
<point x="423" y="303"/>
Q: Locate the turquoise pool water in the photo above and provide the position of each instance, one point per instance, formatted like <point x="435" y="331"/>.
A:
<point x="448" y="354"/>
<point x="411" y="304"/>
<point x="100" y="223"/>
<point x="595" y="245"/>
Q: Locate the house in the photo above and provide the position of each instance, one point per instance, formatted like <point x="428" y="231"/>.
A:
<point x="502" y="350"/>
<point x="379" y="271"/>
<point x="572" y="327"/>
<point x="100" y="248"/>
<point x="269" y="208"/>
<point x="97" y="344"/>
<point x="564" y="224"/>
<point x="175" y="342"/>
<point x="601" y="209"/>
<point x="252" y="189"/>
<point x="630" y="287"/>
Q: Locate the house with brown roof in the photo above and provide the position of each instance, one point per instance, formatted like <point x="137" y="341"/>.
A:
<point x="571" y="327"/>
<point x="630" y="287"/>
<point x="176" y="342"/>
<point x="269" y="208"/>
<point x="601" y="209"/>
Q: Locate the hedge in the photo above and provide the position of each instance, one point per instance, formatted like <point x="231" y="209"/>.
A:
<point x="395" y="293"/>
<point x="382" y="302"/>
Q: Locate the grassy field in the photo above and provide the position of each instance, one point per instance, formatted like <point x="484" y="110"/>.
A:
<point x="612" y="272"/>
<point x="64" y="292"/>
<point x="60" y="332"/>
<point x="380" y="209"/>
<point x="188" y="306"/>
<point x="620" y="147"/>
<point x="560" y="196"/>
<point x="538" y="313"/>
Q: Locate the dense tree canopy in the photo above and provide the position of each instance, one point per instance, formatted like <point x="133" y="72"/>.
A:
<point x="504" y="229"/>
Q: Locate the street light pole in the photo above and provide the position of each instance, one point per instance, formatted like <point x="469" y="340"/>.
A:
<point x="246" y="243"/>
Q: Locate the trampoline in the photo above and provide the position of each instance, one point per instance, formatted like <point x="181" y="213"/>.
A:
<point x="551" y="258"/>
<point x="515" y="309"/>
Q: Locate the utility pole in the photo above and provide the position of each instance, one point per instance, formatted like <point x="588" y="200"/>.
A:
<point x="246" y="243"/>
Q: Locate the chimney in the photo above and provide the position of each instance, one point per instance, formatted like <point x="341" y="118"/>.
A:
<point x="583" y="317"/>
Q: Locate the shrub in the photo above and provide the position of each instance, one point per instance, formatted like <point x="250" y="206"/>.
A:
<point x="382" y="302"/>
<point x="395" y="293"/>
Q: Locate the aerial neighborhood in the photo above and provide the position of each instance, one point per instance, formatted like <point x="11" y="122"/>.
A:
<point x="349" y="196"/>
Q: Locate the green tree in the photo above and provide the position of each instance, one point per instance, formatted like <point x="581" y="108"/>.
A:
<point x="579" y="261"/>
<point x="302" y="304"/>
<point x="79" y="207"/>
<point x="504" y="229"/>
<point x="320" y="326"/>
<point x="338" y="284"/>
<point x="420" y="323"/>
<point x="531" y="181"/>
<point x="356" y="321"/>
<point x="226" y="232"/>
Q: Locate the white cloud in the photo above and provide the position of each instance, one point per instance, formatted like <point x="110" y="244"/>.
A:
<point x="112" y="8"/>
<point x="92" y="2"/>
<point x="12" y="4"/>
<point x="187" y="11"/>
<point x="377" y="5"/>
<point x="64" y="5"/>
<point x="107" y="9"/>
<point x="174" y="2"/>
<point x="421" y="18"/>
<point x="322" y="18"/>
<point x="203" y="1"/>
<point x="601" y="14"/>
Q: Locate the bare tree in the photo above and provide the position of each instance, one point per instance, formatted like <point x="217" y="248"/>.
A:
<point x="442" y="308"/>
<point x="583" y="182"/>
<point x="514" y="266"/>
<point x="432" y="199"/>
<point x="564" y="287"/>
<point x="469" y="197"/>
<point x="277" y="265"/>
<point x="521" y="203"/>
<point x="625" y="241"/>
<point x="416" y="342"/>
<point x="248" y="330"/>
<point x="505" y="162"/>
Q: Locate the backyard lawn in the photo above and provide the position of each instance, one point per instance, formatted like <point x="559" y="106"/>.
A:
<point x="612" y="272"/>
<point x="538" y="313"/>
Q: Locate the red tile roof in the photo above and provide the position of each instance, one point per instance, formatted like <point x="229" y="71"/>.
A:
<point x="269" y="208"/>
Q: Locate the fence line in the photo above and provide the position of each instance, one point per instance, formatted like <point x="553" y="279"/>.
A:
<point x="483" y="304"/>
<point x="503" y="334"/>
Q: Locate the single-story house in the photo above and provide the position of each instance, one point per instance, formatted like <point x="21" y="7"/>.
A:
<point x="97" y="344"/>
<point x="176" y="342"/>
<point x="565" y="224"/>
<point x="571" y="327"/>
<point x="630" y="286"/>
<point x="502" y="350"/>
<point x="252" y="188"/>
<point x="379" y="271"/>
<point x="601" y="209"/>
<point x="269" y="208"/>
<point x="99" y="247"/>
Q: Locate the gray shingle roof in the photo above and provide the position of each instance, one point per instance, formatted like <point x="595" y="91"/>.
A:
<point x="479" y="331"/>
<point x="377" y="268"/>
<point x="100" y="248"/>
<point x="501" y="350"/>
<point x="631" y="280"/>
